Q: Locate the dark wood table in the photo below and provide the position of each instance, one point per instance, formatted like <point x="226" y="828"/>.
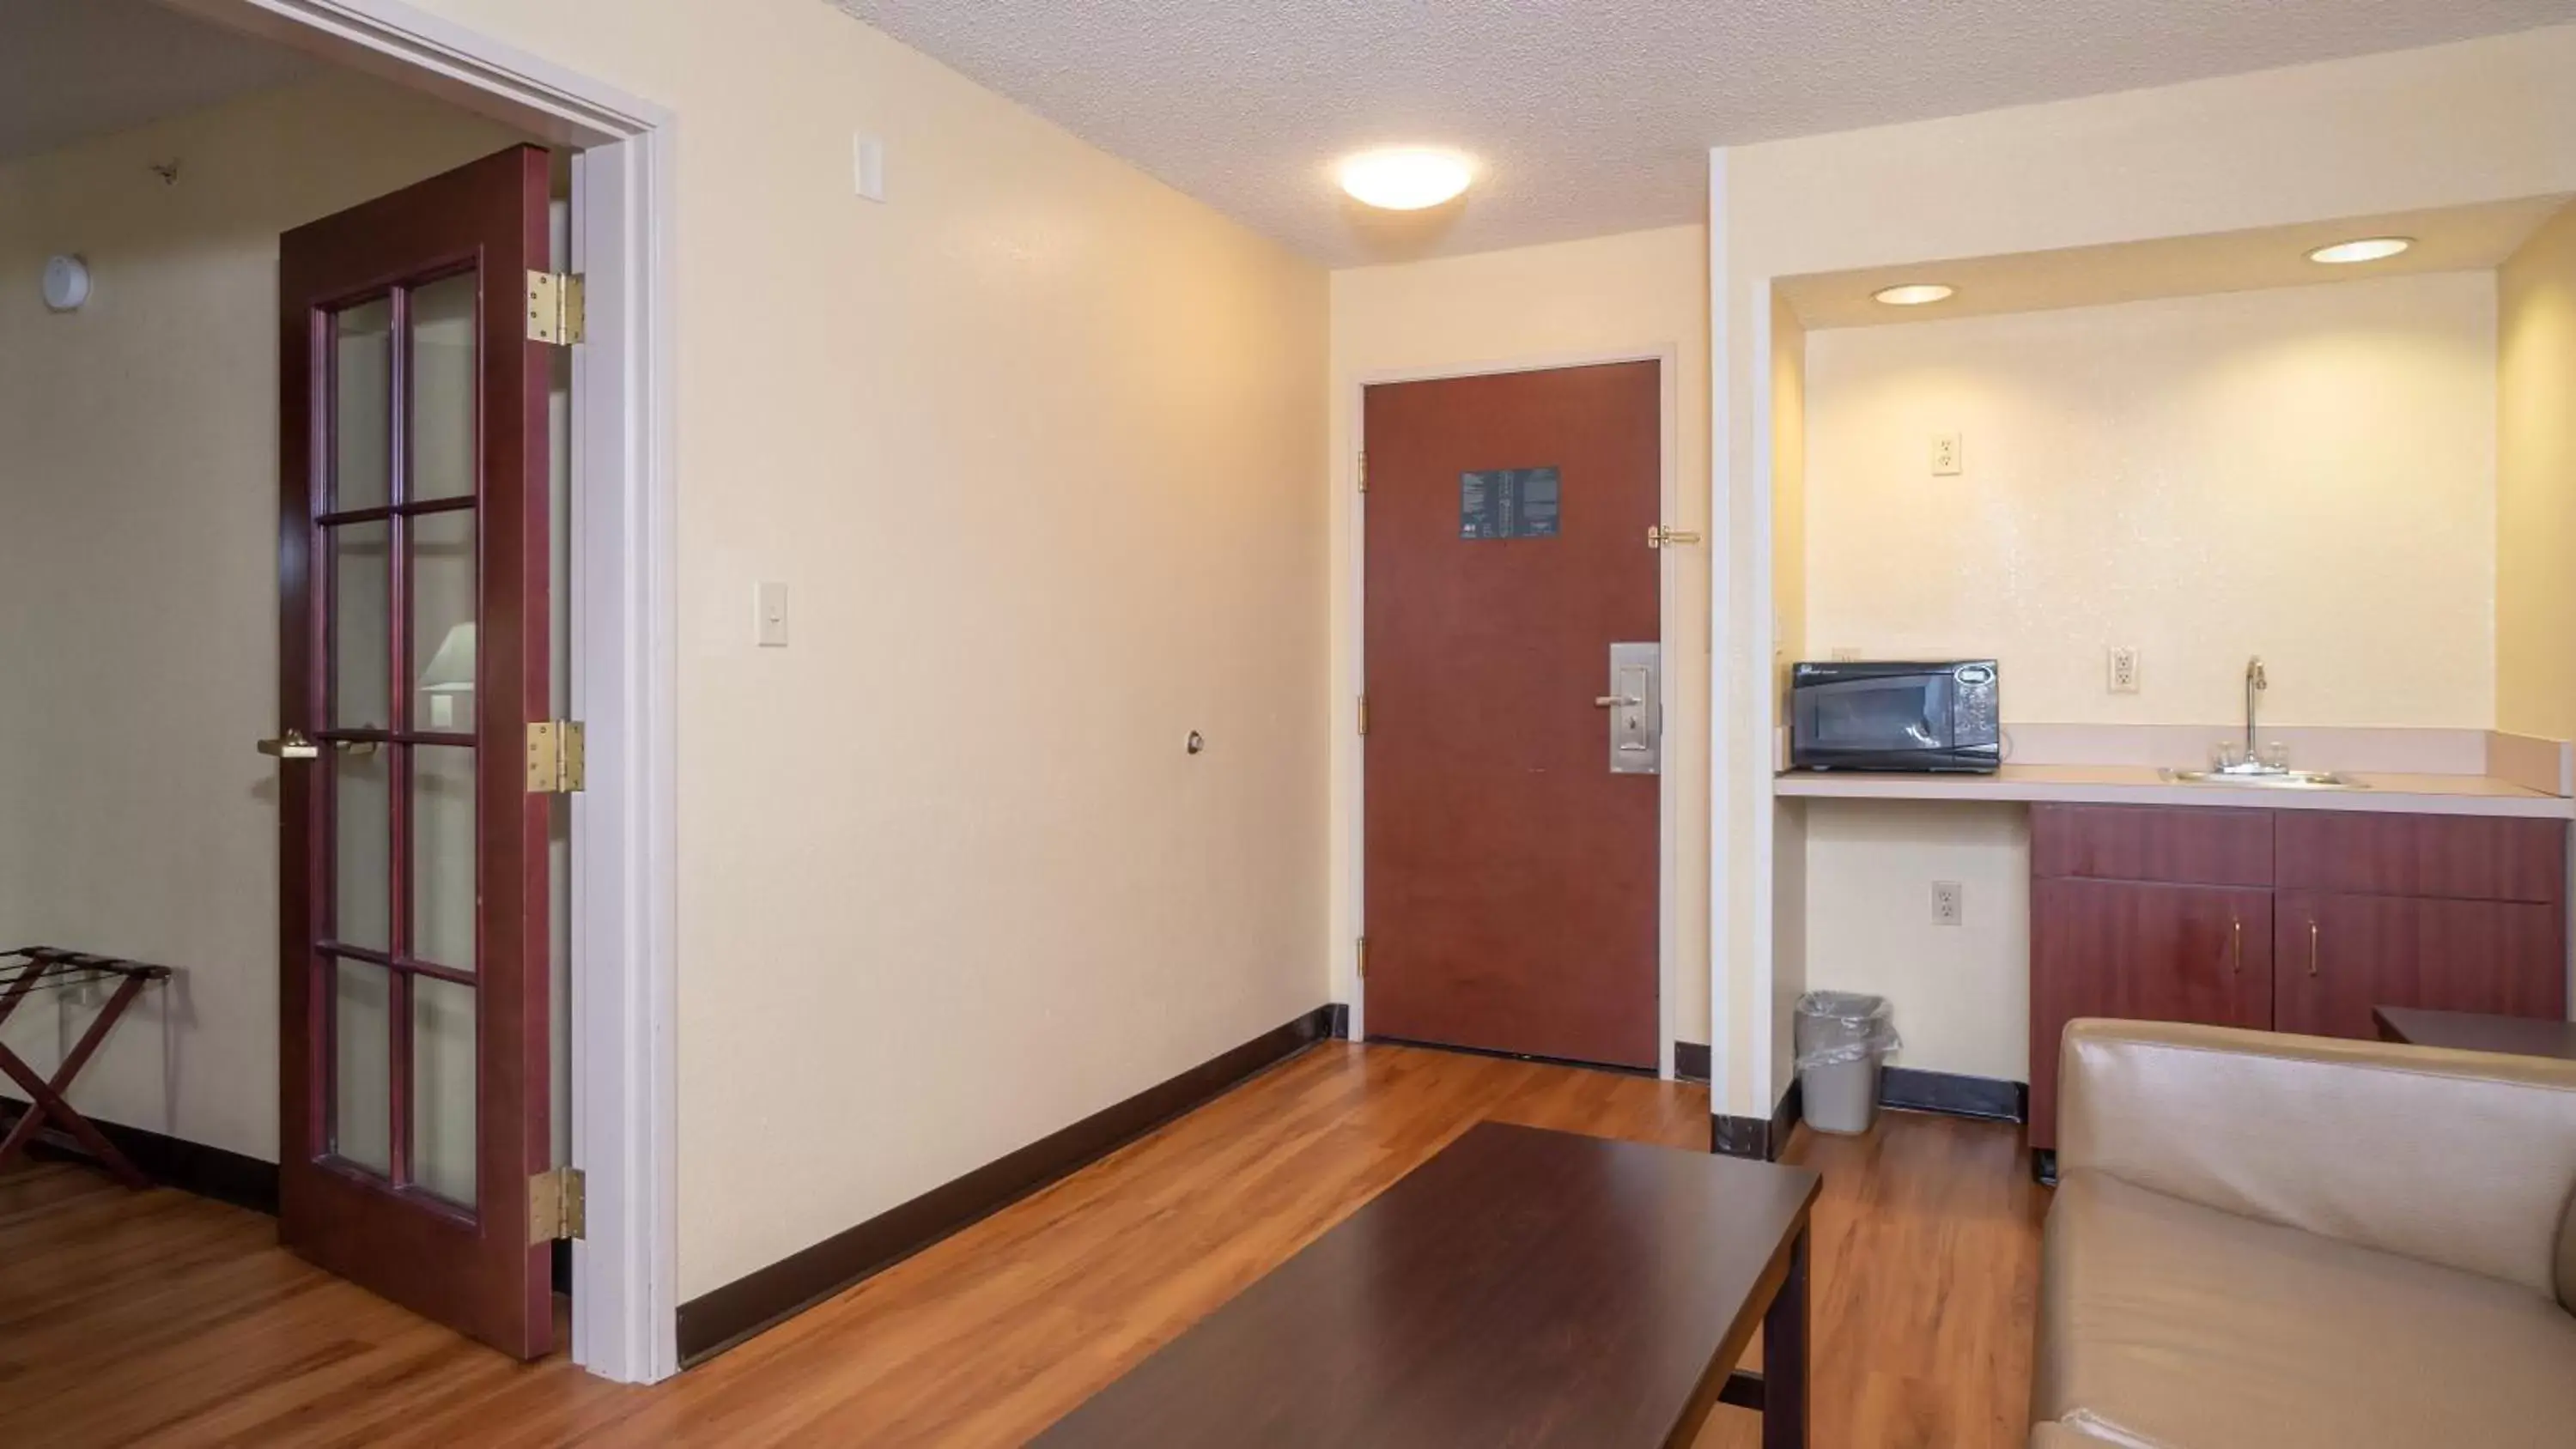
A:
<point x="2521" y="1036"/>
<point x="1520" y="1288"/>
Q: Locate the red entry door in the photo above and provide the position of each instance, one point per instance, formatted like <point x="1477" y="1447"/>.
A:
<point x="412" y="564"/>
<point x="1511" y="812"/>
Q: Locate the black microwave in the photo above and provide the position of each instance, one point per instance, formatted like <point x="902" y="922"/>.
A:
<point x="1848" y="715"/>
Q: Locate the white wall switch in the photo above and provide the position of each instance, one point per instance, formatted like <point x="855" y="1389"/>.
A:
<point x="1945" y="903"/>
<point x="2122" y="668"/>
<point x="1946" y="455"/>
<point x="769" y="615"/>
<point x="868" y="166"/>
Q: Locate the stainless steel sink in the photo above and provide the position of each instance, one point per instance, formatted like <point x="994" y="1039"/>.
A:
<point x="2266" y="779"/>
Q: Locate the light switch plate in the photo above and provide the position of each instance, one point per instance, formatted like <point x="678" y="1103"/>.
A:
<point x="868" y="168"/>
<point x="769" y="615"/>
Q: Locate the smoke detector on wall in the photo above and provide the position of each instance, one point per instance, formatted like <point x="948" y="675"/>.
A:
<point x="66" y="283"/>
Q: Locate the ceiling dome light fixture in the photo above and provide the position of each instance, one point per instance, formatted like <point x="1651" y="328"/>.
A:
<point x="1915" y="294"/>
<point x="2368" y="249"/>
<point x="1405" y="178"/>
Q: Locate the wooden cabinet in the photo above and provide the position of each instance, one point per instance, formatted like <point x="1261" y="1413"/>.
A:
<point x="2149" y="951"/>
<point x="2340" y="955"/>
<point x="2295" y="920"/>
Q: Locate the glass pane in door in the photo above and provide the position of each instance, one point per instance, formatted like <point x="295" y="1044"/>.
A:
<point x="443" y="378"/>
<point x="362" y="1065"/>
<point x="442" y="855"/>
<point x="442" y="1088"/>
<point x="362" y="852"/>
<point x="360" y="560"/>
<point x="362" y="402"/>
<point x="442" y="621"/>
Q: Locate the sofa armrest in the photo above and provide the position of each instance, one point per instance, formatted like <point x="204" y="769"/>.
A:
<point x="2460" y="1158"/>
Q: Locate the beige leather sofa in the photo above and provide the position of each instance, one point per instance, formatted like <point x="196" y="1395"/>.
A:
<point x="2286" y="1242"/>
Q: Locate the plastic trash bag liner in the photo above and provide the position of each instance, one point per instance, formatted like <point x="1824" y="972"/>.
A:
<point x="1844" y="1026"/>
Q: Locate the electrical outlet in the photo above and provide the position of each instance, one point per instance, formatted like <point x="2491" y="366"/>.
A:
<point x="2122" y="667"/>
<point x="1844" y="654"/>
<point x="1946" y="909"/>
<point x="1945" y="455"/>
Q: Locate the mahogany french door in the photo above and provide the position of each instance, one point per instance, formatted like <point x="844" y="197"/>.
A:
<point x="412" y="569"/>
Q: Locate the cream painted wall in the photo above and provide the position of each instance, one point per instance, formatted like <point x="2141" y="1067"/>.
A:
<point x="1638" y="292"/>
<point x="2536" y="490"/>
<point x="138" y="565"/>
<point x="2306" y="474"/>
<point x="1035" y="446"/>
<point x="1961" y="993"/>
<point x="2484" y="120"/>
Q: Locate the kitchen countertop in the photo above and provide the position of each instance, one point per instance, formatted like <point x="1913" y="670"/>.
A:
<point x="2141" y="785"/>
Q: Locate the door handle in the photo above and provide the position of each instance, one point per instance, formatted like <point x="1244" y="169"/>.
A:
<point x="2236" y="946"/>
<point x="291" y="745"/>
<point x="1635" y="692"/>
<point x="2312" y="948"/>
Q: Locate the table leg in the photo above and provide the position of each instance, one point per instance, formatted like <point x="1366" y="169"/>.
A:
<point x="45" y="1099"/>
<point x="1784" y="1356"/>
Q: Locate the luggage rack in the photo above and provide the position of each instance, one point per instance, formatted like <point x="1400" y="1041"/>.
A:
<point x="26" y="970"/>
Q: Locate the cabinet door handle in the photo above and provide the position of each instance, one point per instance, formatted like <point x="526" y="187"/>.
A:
<point x="2312" y="947"/>
<point x="2236" y="946"/>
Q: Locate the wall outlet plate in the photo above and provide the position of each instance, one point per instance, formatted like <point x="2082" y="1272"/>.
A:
<point x="1946" y="906"/>
<point x="2121" y="668"/>
<point x="1946" y="455"/>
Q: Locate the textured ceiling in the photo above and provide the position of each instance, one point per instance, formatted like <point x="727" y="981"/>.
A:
<point x="75" y="68"/>
<point x="1588" y="116"/>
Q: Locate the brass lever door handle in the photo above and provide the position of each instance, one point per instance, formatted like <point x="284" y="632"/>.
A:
<point x="1616" y="701"/>
<point x="291" y="746"/>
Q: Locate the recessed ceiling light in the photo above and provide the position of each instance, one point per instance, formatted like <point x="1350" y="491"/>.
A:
<point x="2368" y="249"/>
<point x="1915" y="294"/>
<point x="1405" y="178"/>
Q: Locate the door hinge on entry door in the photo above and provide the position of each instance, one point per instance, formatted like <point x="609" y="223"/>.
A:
<point x="555" y="307"/>
<point x="555" y="1207"/>
<point x="1363" y="714"/>
<point x="1363" y="958"/>
<point x="554" y="757"/>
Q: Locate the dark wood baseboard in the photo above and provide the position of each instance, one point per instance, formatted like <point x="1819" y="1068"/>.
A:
<point x="213" y="1172"/>
<point x="1690" y="1061"/>
<point x="1337" y="1021"/>
<point x="723" y="1317"/>
<point x="1760" y="1138"/>
<point x="1909" y="1090"/>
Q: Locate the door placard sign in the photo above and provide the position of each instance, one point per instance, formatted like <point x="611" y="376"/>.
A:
<point x="1508" y="503"/>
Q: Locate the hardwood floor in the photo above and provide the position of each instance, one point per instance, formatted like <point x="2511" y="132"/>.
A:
<point x="158" y="1318"/>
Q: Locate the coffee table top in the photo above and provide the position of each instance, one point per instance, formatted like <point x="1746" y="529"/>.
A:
<point x="1522" y="1287"/>
<point x="2521" y="1036"/>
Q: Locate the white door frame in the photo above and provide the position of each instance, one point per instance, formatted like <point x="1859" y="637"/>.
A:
<point x="1351" y="786"/>
<point x="625" y="1315"/>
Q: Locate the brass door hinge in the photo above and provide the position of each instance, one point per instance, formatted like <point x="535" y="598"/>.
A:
<point x="1363" y="957"/>
<point x="1363" y="714"/>
<point x="555" y="1205"/>
<point x="554" y="757"/>
<point x="1363" y="471"/>
<point x="1662" y="537"/>
<point x="554" y="307"/>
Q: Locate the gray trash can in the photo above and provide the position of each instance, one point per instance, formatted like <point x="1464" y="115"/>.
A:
<point x="1842" y="1036"/>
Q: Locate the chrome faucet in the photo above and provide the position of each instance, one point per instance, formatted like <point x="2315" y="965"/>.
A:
<point x="2255" y="684"/>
